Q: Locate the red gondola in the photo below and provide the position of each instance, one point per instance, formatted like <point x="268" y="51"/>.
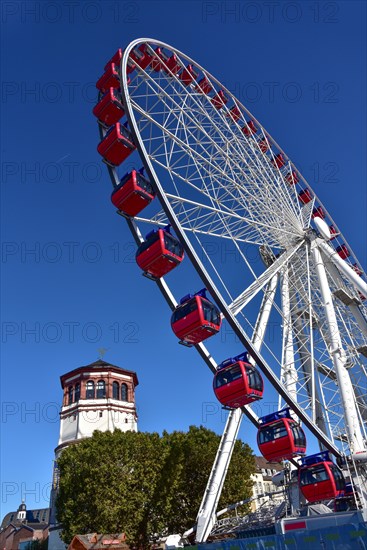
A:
<point x="318" y="212"/>
<point x="263" y="145"/>
<point x="204" y="86"/>
<point x="195" y="319"/>
<point x="159" y="253"/>
<point x="280" y="437"/>
<point x="319" y="478"/>
<point x="234" y="113"/>
<point x="237" y="383"/>
<point x="141" y="56"/>
<point x="172" y="65"/>
<point x="157" y="59"/>
<point x="133" y="193"/>
<point x="109" y="109"/>
<point x="116" y="58"/>
<point x="249" y="129"/>
<point x="305" y="196"/>
<point x="117" y="145"/>
<point x="333" y="232"/>
<point x="278" y="161"/>
<point x="219" y="100"/>
<point x="109" y="79"/>
<point x="343" y="251"/>
<point x="292" y="178"/>
<point x="188" y="75"/>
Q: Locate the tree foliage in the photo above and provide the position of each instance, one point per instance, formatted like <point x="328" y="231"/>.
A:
<point x="143" y="484"/>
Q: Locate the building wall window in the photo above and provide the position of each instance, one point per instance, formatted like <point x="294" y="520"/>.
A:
<point x="115" y="390"/>
<point x="70" y="395"/>
<point x="77" y="393"/>
<point x="89" y="390"/>
<point x="101" y="389"/>
<point x="123" y="392"/>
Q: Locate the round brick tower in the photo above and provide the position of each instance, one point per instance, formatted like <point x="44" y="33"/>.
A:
<point x="99" y="396"/>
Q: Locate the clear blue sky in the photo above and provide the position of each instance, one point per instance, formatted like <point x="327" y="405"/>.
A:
<point x="300" y="67"/>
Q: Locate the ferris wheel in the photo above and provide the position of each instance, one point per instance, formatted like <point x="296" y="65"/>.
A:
<point x="216" y="176"/>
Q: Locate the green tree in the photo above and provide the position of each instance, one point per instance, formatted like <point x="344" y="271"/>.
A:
<point x="193" y="454"/>
<point x="143" y="484"/>
<point x="107" y="485"/>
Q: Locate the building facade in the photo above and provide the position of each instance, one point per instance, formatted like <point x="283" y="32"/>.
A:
<point x="262" y="482"/>
<point x="23" y="526"/>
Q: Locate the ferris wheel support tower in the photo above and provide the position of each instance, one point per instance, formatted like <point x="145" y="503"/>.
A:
<point x="338" y="358"/>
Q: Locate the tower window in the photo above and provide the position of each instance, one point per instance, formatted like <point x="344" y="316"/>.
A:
<point x="123" y="392"/>
<point x="101" y="389"/>
<point x="70" y="395"/>
<point x="115" y="390"/>
<point x="90" y="390"/>
<point x="77" y="393"/>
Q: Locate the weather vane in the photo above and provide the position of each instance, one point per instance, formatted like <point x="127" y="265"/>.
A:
<point x="102" y="352"/>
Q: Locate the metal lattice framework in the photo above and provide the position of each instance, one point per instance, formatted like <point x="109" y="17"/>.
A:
<point x="218" y="181"/>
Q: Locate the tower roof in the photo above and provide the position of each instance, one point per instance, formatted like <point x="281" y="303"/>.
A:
<point x="22" y="507"/>
<point x="98" y="365"/>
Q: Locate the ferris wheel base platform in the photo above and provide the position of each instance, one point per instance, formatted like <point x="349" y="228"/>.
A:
<point x="327" y="531"/>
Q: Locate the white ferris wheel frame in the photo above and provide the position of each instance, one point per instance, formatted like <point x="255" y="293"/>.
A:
<point x="277" y="274"/>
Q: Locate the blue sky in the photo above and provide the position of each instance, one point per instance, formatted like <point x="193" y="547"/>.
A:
<point x="70" y="283"/>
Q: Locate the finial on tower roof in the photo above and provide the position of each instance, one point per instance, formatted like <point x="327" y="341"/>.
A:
<point x="102" y="352"/>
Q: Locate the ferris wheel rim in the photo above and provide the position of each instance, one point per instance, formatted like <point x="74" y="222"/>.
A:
<point x="191" y="253"/>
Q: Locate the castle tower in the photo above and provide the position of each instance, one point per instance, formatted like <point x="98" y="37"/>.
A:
<point x="99" y="396"/>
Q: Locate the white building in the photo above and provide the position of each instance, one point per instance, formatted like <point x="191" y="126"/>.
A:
<point x="263" y="482"/>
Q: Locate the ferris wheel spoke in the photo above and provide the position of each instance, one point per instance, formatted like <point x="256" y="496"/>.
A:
<point x="224" y="213"/>
<point x="246" y="296"/>
<point x="281" y="188"/>
<point x="251" y="222"/>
